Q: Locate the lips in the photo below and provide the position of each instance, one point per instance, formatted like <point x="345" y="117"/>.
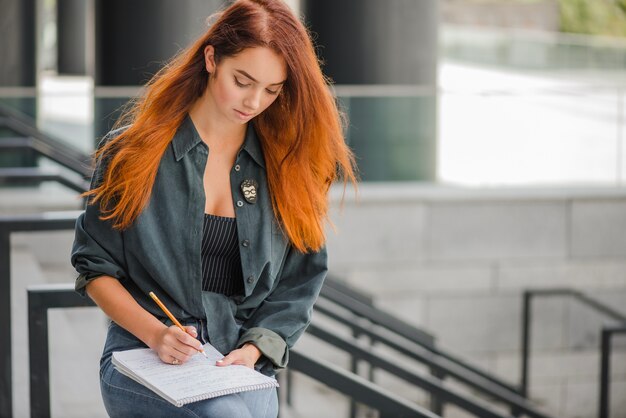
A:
<point x="242" y="114"/>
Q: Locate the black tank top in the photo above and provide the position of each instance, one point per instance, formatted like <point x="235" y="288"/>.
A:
<point x="221" y="260"/>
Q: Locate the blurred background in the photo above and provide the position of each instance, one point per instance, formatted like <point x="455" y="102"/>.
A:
<point x="490" y="218"/>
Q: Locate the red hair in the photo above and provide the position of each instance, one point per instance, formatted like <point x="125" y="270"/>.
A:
<point x="300" y="133"/>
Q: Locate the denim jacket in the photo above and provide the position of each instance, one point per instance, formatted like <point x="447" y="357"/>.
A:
<point x="160" y="252"/>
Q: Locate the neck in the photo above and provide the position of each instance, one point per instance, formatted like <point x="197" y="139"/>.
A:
<point x="213" y="129"/>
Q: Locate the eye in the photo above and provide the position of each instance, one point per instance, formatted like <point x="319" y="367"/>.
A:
<point x="274" y="92"/>
<point x="240" y="84"/>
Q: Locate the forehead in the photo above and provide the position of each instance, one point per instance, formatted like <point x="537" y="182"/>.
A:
<point x="262" y="63"/>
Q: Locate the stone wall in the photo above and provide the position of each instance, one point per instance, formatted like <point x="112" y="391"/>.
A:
<point x="456" y="261"/>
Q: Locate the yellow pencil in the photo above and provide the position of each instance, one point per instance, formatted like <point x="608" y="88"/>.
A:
<point x="170" y="316"/>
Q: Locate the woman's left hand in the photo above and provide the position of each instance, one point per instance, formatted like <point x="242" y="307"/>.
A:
<point x="245" y="356"/>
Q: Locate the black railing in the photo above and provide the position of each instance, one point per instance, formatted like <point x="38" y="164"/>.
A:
<point x="605" y="367"/>
<point x="440" y="366"/>
<point x="428" y="383"/>
<point x="357" y="388"/>
<point x="423" y="350"/>
<point x="605" y="338"/>
<point x="40" y="299"/>
<point x="363" y="306"/>
<point x="27" y="176"/>
<point x="29" y="138"/>
<point x="340" y="297"/>
<point x="44" y="297"/>
<point x="376" y="316"/>
<point x="8" y="225"/>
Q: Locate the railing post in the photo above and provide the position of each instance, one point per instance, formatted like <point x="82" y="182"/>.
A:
<point x="354" y="367"/>
<point x="8" y="225"/>
<point x="605" y="359"/>
<point x="436" y="405"/>
<point x="526" y="321"/>
<point x="6" y="384"/>
<point x="280" y="378"/>
<point x="38" y="357"/>
<point x="289" y="380"/>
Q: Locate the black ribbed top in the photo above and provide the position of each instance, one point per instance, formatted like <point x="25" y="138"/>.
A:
<point x="221" y="261"/>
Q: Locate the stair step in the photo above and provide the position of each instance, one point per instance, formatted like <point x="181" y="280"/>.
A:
<point x="43" y="198"/>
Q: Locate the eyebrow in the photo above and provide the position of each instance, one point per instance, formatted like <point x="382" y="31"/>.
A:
<point x="242" y="72"/>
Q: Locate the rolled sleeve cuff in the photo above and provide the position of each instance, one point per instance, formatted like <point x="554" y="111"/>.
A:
<point x="269" y="343"/>
<point x="80" y="285"/>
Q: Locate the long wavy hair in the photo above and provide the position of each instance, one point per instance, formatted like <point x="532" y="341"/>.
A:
<point x="301" y="132"/>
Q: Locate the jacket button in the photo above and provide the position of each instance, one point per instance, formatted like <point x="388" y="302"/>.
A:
<point x="245" y="243"/>
<point x="237" y="167"/>
<point x="239" y="203"/>
<point x="251" y="279"/>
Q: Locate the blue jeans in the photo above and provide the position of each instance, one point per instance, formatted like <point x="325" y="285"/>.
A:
<point x="124" y="398"/>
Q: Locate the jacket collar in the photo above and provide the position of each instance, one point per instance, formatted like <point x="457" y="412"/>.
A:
<point x="187" y="137"/>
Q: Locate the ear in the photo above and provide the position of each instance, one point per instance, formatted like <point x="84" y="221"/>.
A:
<point x="209" y="58"/>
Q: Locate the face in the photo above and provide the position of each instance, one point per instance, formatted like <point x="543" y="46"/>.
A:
<point x="245" y="85"/>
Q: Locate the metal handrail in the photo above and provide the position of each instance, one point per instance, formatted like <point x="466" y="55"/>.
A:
<point x="44" y="297"/>
<point x="408" y="331"/>
<point x="606" y="334"/>
<point x="28" y="175"/>
<point x="29" y="137"/>
<point x="40" y="299"/>
<point x="335" y="283"/>
<point x="52" y="221"/>
<point x="378" y="317"/>
<point x="439" y="365"/>
<point x="431" y="384"/>
<point x="357" y="388"/>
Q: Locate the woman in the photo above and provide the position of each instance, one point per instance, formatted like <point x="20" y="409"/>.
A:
<point x="214" y="196"/>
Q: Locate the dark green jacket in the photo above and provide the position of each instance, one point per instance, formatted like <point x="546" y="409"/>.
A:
<point x="160" y="252"/>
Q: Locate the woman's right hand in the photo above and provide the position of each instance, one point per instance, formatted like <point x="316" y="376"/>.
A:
<point x="174" y="346"/>
<point x="170" y="343"/>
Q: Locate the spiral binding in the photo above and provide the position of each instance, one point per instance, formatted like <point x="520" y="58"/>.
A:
<point x="223" y="392"/>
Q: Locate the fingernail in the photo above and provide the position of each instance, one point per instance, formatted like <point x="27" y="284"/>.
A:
<point x="220" y="361"/>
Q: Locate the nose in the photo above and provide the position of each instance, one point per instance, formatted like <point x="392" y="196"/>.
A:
<point x="253" y="100"/>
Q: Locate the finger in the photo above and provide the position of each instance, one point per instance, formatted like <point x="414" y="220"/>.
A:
<point x="192" y="331"/>
<point x="226" y="361"/>
<point x="186" y="339"/>
<point x="171" y="342"/>
<point x="169" y="359"/>
<point x="179" y="353"/>
<point x="183" y="351"/>
<point x="235" y="358"/>
<point x="173" y="347"/>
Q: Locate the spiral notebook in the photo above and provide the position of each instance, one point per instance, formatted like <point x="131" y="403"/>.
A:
<point x="196" y="380"/>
